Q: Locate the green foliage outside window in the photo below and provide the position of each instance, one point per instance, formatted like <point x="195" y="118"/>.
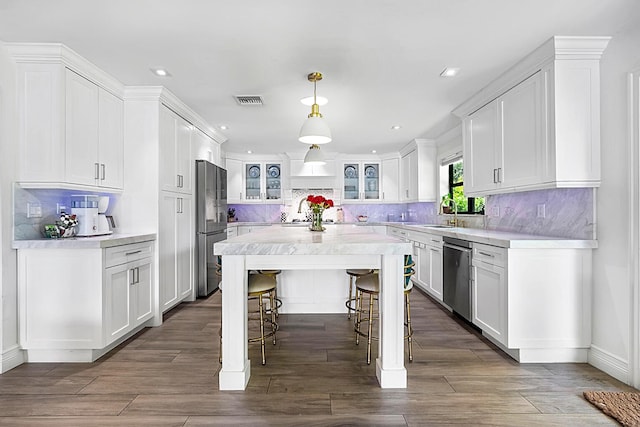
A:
<point x="467" y="205"/>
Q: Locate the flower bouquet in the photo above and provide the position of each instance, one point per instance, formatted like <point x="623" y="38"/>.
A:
<point x="318" y="204"/>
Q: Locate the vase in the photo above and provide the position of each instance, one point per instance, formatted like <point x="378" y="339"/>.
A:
<point x="316" y="221"/>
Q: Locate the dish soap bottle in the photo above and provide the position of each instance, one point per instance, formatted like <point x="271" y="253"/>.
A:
<point x="340" y="215"/>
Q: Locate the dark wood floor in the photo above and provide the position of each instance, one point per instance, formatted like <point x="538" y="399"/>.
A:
<point x="315" y="375"/>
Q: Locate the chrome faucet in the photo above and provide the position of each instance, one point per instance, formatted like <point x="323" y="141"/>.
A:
<point x="304" y="199"/>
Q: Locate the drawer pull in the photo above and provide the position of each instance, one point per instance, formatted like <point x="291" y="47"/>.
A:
<point x="133" y="253"/>
<point x="435" y="241"/>
<point x="486" y="254"/>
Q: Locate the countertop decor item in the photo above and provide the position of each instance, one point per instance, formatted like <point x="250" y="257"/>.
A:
<point x="66" y="226"/>
<point x="318" y="204"/>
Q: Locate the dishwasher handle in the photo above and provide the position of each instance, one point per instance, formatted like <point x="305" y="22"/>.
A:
<point x="457" y="248"/>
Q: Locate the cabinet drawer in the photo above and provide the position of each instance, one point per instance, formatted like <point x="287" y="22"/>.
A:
<point x="126" y="253"/>
<point x="493" y="255"/>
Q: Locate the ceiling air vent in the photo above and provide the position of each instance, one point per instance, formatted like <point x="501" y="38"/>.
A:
<point x="249" y="99"/>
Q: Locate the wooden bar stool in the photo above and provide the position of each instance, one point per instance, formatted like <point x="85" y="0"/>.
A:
<point x="370" y="285"/>
<point x="354" y="273"/>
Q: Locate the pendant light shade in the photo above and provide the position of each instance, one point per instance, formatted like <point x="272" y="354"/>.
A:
<point x="315" y="129"/>
<point x="314" y="156"/>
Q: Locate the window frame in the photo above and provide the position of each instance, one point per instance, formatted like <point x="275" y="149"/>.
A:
<point x="471" y="201"/>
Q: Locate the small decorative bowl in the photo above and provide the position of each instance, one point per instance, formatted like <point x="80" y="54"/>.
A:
<point x="363" y="218"/>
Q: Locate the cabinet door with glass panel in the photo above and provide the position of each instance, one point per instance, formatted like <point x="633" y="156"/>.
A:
<point x="361" y="181"/>
<point x="263" y="181"/>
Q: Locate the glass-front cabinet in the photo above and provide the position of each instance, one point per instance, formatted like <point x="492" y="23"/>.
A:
<point x="262" y="181"/>
<point x="361" y="181"/>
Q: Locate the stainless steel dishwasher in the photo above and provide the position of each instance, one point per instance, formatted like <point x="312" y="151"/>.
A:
<point x="456" y="261"/>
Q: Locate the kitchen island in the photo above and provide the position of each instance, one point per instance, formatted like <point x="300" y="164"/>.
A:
<point x="297" y="248"/>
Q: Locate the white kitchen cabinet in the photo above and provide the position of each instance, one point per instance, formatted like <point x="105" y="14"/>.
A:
<point x="361" y="181"/>
<point x="176" y="169"/>
<point x="129" y="295"/>
<point x="489" y="291"/>
<point x="175" y="247"/>
<point x="534" y="303"/>
<point x="390" y="182"/>
<point x="75" y="304"/>
<point x="428" y="257"/>
<point x="246" y="229"/>
<point x="538" y="125"/>
<point x="263" y="182"/>
<point x="203" y="147"/>
<point x="234" y="180"/>
<point x="71" y="127"/>
<point x="418" y="172"/>
<point x="504" y="140"/>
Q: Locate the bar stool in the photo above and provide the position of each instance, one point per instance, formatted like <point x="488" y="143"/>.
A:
<point x="278" y="301"/>
<point x="370" y="285"/>
<point x="259" y="285"/>
<point x="354" y="273"/>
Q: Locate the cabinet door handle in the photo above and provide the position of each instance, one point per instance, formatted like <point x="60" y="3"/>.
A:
<point x="133" y="253"/>
<point x="486" y="254"/>
<point x="96" y="169"/>
<point x="494" y="175"/>
<point x="499" y="174"/>
<point x="102" y="171"/>
<point x="407" y="193"/>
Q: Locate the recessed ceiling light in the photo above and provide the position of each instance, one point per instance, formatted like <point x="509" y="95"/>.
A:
<point x="161" y="72"/>
<point x="308" y="101"/>
<point x="395" y="127"/>
<point x="249" y="151"/>
<point x="374" y="151"/>
<point x="449" y="72"/>
<point x="223" y="127"/>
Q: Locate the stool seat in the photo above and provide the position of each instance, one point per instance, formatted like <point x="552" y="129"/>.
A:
<point x="270" y="272"/>
<point x="358" y="271"/>
<point x="261" y="284"/>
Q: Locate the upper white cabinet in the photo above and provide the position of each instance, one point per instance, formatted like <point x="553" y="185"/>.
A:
<point x="538" y="125"/>
<point x="418" y="172"/>
<point x="254" y="182"/>
<point x="505" y="140"/>
<point x="176" y="163"/>
<point x="71" y="123"/>
<point x="361" y="181"/>
<point x="390" y="182"/>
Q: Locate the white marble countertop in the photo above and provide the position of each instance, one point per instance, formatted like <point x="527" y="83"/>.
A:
<point x="96" y="242"/>
<point x="335" y="240"/>
<point x="505" y="239"/>
<point x="490" y="237"/>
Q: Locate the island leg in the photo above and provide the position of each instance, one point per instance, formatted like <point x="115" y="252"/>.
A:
<point x="390" y="368"/>
<point x="236" y="368"/>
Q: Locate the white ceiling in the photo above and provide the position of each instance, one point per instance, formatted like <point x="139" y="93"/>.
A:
<point x="381" y="59"/>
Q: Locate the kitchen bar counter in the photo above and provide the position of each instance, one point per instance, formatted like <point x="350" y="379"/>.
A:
<point x="96" y="242"/>
<point x="297" y="248"/>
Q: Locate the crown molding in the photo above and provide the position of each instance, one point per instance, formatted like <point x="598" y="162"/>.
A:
<point x="557" y="48"/>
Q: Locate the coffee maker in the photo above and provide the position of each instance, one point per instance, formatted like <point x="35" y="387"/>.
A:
<point x="103" y="222"/>
<point x="90" y="211"/>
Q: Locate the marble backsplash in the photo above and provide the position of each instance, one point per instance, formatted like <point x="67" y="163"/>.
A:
<point x="47" y="200"/>
<point x="568" y="212"/>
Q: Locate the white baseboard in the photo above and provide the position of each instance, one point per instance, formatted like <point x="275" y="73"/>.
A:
<point x="11" y="358"/>
<point x="612" y="365"/>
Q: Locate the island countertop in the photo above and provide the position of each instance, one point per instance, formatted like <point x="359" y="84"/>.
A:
<point x="342" y="240"/>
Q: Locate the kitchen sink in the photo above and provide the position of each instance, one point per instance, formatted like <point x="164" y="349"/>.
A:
<point x="437" y="226"/>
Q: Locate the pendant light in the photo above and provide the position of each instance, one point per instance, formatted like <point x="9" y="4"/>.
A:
<point x="314" y="156"/>
<point x="315" y="130"/>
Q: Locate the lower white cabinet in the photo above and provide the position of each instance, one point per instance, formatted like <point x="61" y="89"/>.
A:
<point x="75" y="304"/>
<point x="489" y="291"/>
<point x="428" y="257"/>
<point x="534" y="303"/>
<point x="246" y="229"/>
<point x="175" y="248"/>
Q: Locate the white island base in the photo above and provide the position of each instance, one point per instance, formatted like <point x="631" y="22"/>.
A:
<point x="300" y="249"/>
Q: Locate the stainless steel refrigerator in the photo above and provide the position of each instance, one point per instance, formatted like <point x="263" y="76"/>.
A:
<point x="211" y="222"/>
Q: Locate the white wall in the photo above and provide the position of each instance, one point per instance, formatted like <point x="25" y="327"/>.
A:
<point x="10" y="355"/>
<point x="612" y="264"/>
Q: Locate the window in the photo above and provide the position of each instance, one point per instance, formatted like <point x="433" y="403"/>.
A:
<point x="465" y="205"/>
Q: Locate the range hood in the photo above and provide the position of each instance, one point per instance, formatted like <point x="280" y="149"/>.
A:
<point x="313" y="182"/>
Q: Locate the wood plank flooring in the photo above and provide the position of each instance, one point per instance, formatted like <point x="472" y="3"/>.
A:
<point x="315" y="376"/>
